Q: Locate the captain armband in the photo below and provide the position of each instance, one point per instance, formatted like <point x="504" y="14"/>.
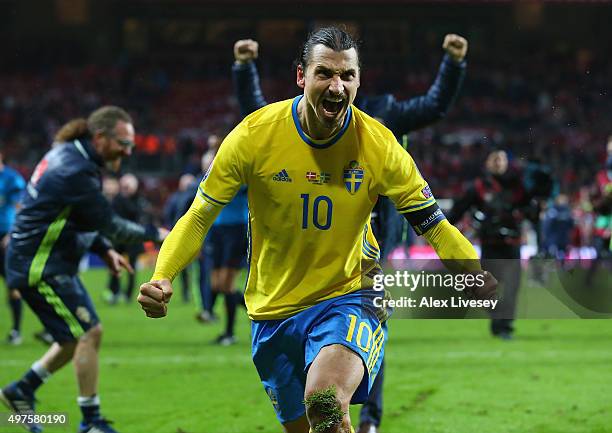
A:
<point x="424" y="219"/>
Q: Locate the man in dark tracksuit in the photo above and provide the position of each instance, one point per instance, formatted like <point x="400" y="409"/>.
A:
<point x="64" y="214"/>
<point x="400" y="117"/>
<point x="500" y="202"/>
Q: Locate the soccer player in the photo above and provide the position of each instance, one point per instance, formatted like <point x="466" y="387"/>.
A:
<point x="401" y="117"/>
<point x="314" y="166"/>
<point x="63" y="214"/>
<point x="11" y="187"/>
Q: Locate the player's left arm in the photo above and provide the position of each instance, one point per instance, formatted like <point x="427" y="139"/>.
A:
<point x="418" y="112"/>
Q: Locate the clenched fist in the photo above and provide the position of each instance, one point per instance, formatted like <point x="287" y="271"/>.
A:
<point x="455" y="46"/>
<point x="246" y="50"/>
<point x="154" y="297"/>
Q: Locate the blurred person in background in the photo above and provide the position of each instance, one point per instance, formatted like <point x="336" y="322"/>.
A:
<point x="64" y="214"/>
<point x="11" y="187"/>
<point x="110" y="187"/>
<point x="400" y="117"/>
<point x="130" y="205"/>
<point x="557" y="226"/>
<point x="172" y="212"/>
<point x="601" y="199"/>
<point x="498" y="201"/>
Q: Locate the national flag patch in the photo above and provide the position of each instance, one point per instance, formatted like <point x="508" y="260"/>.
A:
<point x="318" y="178"/>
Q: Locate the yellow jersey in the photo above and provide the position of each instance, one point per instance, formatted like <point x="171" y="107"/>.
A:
<point x="310" y="203"/>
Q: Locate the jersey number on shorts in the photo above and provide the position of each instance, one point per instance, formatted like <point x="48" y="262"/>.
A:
<point x="320" y="204"/>
<point x="369" y="341"/>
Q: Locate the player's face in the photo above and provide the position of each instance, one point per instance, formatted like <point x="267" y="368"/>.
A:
<point x="330" y="84"/>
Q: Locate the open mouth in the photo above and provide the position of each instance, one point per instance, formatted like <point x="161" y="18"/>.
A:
<point x="332" y="106"/>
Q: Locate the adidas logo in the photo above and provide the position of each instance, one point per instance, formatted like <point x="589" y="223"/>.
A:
<point x="282" y="176"/>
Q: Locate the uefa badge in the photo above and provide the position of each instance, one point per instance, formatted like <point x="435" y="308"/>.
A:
<point x="353" y="177"/>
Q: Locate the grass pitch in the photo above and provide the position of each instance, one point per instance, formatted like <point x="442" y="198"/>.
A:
<point x="443" y="376"/>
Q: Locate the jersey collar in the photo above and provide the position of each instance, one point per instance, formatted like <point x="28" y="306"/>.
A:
<point x="85" y="148"/>
<point x="318" y="144"/>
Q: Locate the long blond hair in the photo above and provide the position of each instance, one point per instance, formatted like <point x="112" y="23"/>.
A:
<point x="76" y="128"/>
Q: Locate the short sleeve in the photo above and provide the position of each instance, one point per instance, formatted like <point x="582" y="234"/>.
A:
<point x="403" y="184"/>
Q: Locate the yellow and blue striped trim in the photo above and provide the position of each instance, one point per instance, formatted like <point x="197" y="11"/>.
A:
<point x="417" y="206"/>
<point x="367" y="248"/>
<point x="210" y="199"/>
<point x="378" y="338"/>
<point x="306" y="138"/>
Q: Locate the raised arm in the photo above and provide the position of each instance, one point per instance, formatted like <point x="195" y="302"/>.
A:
<point x="245" y="77"/>
<point x="418" y="112"/>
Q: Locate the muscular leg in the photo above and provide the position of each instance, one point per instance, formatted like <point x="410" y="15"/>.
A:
<point x="86" y="361"/>
<point x="331" y="382"/>
<point x="58" y="355"/>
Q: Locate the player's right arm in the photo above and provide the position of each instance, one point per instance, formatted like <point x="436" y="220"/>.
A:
<point x="245" y="77"/>
<point x="420" y="111"/>
<point x="222" y="181"/>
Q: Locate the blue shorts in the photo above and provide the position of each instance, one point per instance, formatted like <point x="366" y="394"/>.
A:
<point x="226" y="245"/>
<point x="284" y="349"/>
<point x="63" y="306"/>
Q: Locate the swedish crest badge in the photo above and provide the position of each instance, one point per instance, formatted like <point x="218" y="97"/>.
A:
<point x="353" y="177"/>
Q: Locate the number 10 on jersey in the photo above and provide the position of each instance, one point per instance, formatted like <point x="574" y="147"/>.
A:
<point x="320" y="204"/>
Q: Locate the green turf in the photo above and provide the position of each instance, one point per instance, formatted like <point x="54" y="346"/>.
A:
<point x="443" y="376"/>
